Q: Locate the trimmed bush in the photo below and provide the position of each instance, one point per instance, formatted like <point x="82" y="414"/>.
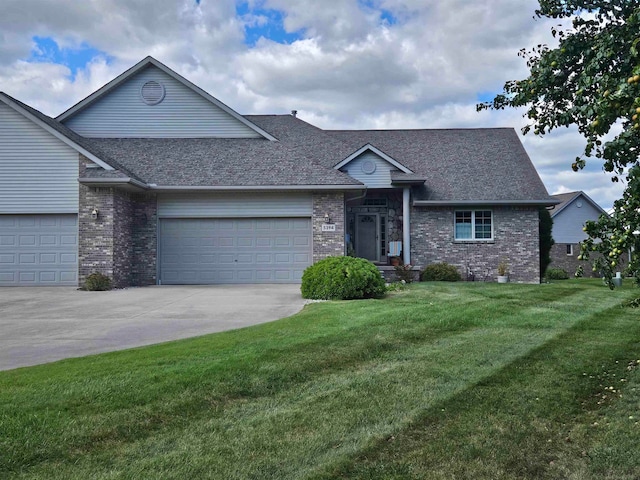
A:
<point x="342" y="278"/>
<point x="97" y="282"/>
<point x="556" y="274"/>
<point x="440" y="272"/>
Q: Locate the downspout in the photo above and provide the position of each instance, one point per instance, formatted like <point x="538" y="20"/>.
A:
<point x="406" y="226"/>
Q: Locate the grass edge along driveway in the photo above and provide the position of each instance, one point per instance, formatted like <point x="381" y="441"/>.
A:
<point x="427" y="383"/>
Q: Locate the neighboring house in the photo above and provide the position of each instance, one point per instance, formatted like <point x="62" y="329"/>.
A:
<point x="151" y="180"/>
<point x="569" y="218"/>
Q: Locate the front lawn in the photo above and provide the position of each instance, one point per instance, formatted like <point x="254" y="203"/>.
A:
<point x="440" y="381"/>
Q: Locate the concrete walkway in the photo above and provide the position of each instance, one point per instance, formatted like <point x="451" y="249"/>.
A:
<point x="43" y="324"/>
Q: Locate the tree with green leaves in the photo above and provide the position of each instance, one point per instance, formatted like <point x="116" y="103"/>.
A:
<point x="545" y="227"/>
<point x="591" y="80"/>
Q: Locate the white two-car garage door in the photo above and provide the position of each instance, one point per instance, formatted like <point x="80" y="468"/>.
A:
<point x="234" y="250"/>
<point x="38" y="250"/>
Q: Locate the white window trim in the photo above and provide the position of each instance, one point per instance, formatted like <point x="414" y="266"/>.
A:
<point x="473" y="226"/>
<point x="569" y="250"/>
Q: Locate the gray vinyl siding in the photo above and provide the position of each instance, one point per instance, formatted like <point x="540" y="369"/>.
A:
<point x="235" y="205"/>
<point x="38" y="172"/>
<point x="381" y="178"/>
<point x="567" y="225"/>
<point x="182" y="114"/>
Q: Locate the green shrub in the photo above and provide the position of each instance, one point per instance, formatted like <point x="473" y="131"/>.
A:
<point x="440" y="272"/>
<point x="404" y="273"/>
<point x="342" y="278"/>
<point x="556" y="274"/>
<point x="97" y="282"/>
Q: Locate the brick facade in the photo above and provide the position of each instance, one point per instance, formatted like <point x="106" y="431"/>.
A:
<point x="570" y="263"/>
<point x="516" y="240"/>
<point x="327" y="244"/>
<point x="122" y="242"/>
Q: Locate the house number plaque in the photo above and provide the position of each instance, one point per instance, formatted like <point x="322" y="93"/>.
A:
<point x="328" y="227"/>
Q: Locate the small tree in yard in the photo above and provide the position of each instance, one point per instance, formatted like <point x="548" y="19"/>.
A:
<point x="546" y="240"/>
<point x="591" y="80"/>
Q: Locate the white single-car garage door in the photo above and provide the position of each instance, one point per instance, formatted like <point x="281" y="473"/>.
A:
<point x="234" y="250"/>
<point x="38" y="250"/>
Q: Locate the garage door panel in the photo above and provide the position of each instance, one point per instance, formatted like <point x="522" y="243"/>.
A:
<point x="26" y="240"/>
<point x="47" y="277"/>
<point x="69" y="276"/>
<point x="69" y="258"/>
<point x="265" y="250"/>
<point x="7" y="258"/>
<point x="38" y="250"/>
<point x="8" y="240"/>
<point x="69" y="240"/>
<point x="246" y="242"/>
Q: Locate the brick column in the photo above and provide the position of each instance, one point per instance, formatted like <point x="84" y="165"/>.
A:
<point x="327" y="244"/>
<point x="122" y="241"/>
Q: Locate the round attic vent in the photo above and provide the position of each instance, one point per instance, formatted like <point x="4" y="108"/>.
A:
<point x="368" y="166"/>
<point x="152" y="92"/>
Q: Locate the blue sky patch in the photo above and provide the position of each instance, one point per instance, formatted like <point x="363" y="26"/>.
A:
<point x="47" y="50"/>
<point x="268" y="23"/>
<point x="486" y="96"/>
<point x="386" y="16"/>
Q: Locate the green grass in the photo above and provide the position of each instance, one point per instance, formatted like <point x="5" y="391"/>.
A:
<point x="439" y="381"/>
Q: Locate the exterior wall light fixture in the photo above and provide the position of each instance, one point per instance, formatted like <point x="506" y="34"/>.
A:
<point x="94" y="214"/>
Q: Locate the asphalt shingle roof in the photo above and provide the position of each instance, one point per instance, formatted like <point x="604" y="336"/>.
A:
<point x="219" y="162"/>
<point x="459" y="164"/>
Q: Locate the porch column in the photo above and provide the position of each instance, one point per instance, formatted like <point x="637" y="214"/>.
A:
<point x="406" y="226"/>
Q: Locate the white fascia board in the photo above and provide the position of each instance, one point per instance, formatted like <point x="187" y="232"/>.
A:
<point x="378" y="152"/>
<point x="152" y="61"/>
<point x="63" y="138"/>
<point x="113" y="181"/>
<point x="463" y="203"/>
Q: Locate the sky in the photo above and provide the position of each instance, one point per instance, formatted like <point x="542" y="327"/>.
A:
<point x="361" y="64"/>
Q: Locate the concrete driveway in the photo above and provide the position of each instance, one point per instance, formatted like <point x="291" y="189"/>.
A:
<point x="43" y="324"/>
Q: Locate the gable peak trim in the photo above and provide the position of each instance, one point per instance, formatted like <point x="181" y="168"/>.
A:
<point x="380" y="153"/>
<point x="574" y="197"/>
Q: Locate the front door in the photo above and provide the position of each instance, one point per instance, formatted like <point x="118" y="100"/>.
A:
<point x="367" y="236"/>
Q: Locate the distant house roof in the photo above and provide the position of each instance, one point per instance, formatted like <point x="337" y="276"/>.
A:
<point x="569" y="197"/>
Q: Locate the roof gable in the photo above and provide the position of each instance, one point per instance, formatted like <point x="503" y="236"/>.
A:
<point x="378" y="152"/>
<point x="152" y="101"/>
<point x="570" y="198"/>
